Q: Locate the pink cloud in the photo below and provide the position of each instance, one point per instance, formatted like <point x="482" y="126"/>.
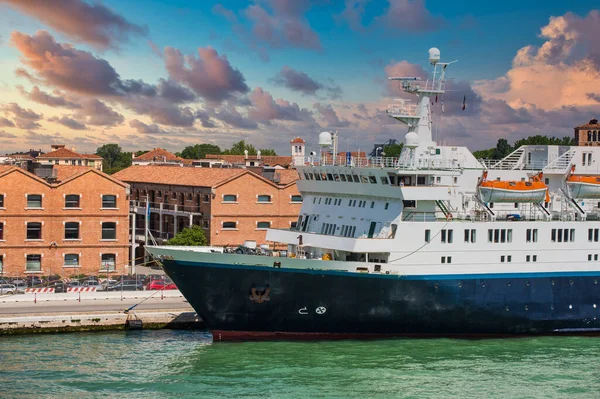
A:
<point x="264" y="109"/>
<point x="41" y="97"/>
<point x="209" y="75"/>
<point x="91" y="23"/>
<point x="409" y="15"/>
<point x="68" y="122"/>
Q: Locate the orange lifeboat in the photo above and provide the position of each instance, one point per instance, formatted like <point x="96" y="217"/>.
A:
<point x="532" y="191"/>
<point x="583" y="186"/>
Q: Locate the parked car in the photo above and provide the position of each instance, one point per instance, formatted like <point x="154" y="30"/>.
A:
<point x="161" y="285"/>
<point x="125" y="285"/>
<point x="93" y="284"/>
<point x="59" y="286"/>
<point x="34" y="281"/>
<point x="8" y="289"/>
<point x="20" y="285"/>
<point x="72" y="284"/>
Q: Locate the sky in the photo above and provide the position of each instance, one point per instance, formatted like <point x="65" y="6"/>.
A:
<point x="149" y="73"/>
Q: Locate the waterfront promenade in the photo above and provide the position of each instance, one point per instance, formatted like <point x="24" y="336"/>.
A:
<point x="87" y="311"/>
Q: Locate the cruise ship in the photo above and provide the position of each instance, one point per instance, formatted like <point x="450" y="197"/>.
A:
<point x="431" y="243"/>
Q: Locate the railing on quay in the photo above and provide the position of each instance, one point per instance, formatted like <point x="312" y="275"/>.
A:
<point x="160" y="206"/>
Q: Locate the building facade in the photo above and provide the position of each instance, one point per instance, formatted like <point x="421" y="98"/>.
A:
<point x="76" y="223"/>
<point x="588" y="134"/>
<point x="232" y="205"/>
<point x="60" y="155"/>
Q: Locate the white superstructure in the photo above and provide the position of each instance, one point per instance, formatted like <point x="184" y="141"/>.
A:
<point x="423" y="213"/>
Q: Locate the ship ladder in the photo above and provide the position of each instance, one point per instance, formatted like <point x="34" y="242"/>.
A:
<point x="571" y="202"/>
<point x="484" y="206"/>
<point x="444" y="209"/>
<point x="541" y="208"/>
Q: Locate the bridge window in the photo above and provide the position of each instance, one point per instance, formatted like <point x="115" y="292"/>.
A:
<point x="373" y="179"/>
<point x="384" y="180"/>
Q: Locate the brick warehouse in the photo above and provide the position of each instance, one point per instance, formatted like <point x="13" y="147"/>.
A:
<point x="75" y="222"/>
<point x="232" y="205"/>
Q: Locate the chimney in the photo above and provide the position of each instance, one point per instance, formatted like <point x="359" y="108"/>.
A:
<point x="57" y="146"/>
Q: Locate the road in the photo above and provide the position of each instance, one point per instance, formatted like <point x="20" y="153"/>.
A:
<point x="87" y="306"/>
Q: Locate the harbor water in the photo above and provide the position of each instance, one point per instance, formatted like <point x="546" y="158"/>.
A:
<point x="185" y="364"/>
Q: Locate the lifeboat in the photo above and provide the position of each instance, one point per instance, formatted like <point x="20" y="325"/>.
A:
<point x="532" y="191"/>
<point x="583" y="186"/>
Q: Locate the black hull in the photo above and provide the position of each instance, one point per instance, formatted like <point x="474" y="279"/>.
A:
<point x="247" y="302"/>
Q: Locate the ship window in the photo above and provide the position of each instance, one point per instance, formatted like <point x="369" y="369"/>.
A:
<point x="364" y="179"/>
<point x="320" y="200"/>
<point x="535" y="258"/>
<point x="317" y="176"/>
<point x="473" y="235"/>
<point x="427" y="235"/>
<point x="336" y="177"/>
<point x="572" y="235"/>
<point x="444" y="234"/>
<point x="595" y="256"/>
<point x="314" y="200"/>
<point x="323" y="176"/>
<point x="553" y="235"/>
<point x="490" y="235"/>
<point x="531" y="235"/>
<point x="372" y="204"/>
<point x="392" y="180"/>
<point x="409" y="203"/>
<point x="449" y="259"/>
<point x="421" y="180"/>
<point x="384" y="180"/>
<point x="491" y="204"/>
<point x="349" y="178"/>
<point x="593" y="235"/>
<point x="372" y="179"/>
<point x="496" y="235"/>
<point x="387" y="204"/>
<point x="546" y="181"/>
<point x="329" y="177"/>
<point x="509" y="258"/>
<point x="502" y="258"/>
<point x="589" y="257"/>
<point x="343" y="177"/>
<point x="443" y="259"/>
<point x="447" y="236"/>
<point x="528" y="258"/>
<point x="470" y="235"/>
<point x="355" y="178"/>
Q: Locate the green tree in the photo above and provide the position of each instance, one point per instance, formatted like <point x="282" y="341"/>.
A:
<point x="267" y="151"/>
<point x="393" y="150"/>
<point x="114" y="158"/>
<point x="141" y="152"/>
<point x="239" y="148"/>
<point x="502" y="149"/>
<point x="199" y="151"/>
<point x="190" y="236"/>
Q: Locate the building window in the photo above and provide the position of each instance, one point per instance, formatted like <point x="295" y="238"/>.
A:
<point x="230" y="198"/>
<point x="263" y="225"/>
<point x="109" y="201"/>
<point x="205" y="198"/>
<point x="72" y="201"/>
<point x="109" y="231"/>
<point x="264" y="198"/>
<point x="296" y="198"/>
<point x="34" y="231"/>
<point x="71" y="260"/>
<point x="108" y="262"/>
<point x="33" y="263"/>
<point x="229" y="225"/>
<point x="1" y="200"/>
<point x="34" y="201"/>
<point x="1" y="264"/>
<point x="72" y="231"/>
<point x="1" y="230"/>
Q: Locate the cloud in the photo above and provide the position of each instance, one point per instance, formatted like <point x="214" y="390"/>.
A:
<point x="6" y="122"/>
<point x="41" y="97"/>
<point x="409" y="15"/>
<point x="160" y="110"/>
<point x="174" y="92"/>
<point x="6" y="135"/>
<point x="68" y="122"/>
<point x="23" y="118"/>
<point x="264" y="109"/>
<point x="328" y="115"/>
<point x="94" y="23"/>
<point x="353" y="14"/>
<point x="300" y="81"/>
<point x="141" y="127"/>
<point x="210" y="76"/>
<point x="97" y="113"/>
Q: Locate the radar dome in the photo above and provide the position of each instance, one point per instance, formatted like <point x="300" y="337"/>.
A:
<point x="411" y="140"/>
<point x="434" y="55"/>
<point x="325" y="139"/>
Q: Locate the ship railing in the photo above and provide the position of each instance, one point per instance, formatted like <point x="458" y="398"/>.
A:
<point x="495" y="164"/>
<point x="433" y="85"/>
<point x="384" y="162"/>
<point x="399" y="110"/>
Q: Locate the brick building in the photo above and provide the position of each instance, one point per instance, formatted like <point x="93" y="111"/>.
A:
<point x="74" y="223"/>
<point x="232" y="205"/>
<point x="588" y="134"/>
<point x="159" y="156"/>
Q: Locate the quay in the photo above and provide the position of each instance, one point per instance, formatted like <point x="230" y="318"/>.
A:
<point x="95" y="311"/>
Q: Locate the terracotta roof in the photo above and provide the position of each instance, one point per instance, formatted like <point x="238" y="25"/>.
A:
<point x="268" y="160"/>
<point x="65" y="153"/>
<point x="286" y="176"/>
<point x="159" y="152"/>
<point x="593" y="124"/>
<point x="177" y="175"/>
<point x="298" y="140"/>
<point x="66" y="171"/>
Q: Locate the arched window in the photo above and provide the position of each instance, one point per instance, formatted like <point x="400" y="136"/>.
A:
<point x="594" y="136"/>
<point x="589" y="136"/>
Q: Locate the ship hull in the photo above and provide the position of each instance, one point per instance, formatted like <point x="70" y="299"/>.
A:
<point x="257" y="302"/>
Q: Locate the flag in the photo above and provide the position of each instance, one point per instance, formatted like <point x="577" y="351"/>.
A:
<point x="464" y="103"/>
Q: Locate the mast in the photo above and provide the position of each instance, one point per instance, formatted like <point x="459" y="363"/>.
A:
<point x="418" y="117"/>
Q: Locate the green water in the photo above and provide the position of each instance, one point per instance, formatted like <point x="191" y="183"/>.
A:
<point x="183" y="364"/>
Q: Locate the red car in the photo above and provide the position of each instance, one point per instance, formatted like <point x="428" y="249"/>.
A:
<point x="160" y="285"/>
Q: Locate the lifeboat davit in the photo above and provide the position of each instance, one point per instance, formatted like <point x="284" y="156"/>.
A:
<point x="532" y="191"/>
<point x="583" y="186"/>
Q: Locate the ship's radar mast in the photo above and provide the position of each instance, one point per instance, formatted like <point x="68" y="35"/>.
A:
<point x="418" y="116"/>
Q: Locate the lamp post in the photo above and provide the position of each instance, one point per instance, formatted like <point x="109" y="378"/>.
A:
<point x="382" y="159"/>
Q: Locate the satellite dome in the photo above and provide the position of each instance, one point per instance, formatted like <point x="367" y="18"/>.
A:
<point x="434" y="55"/>
<point x="411" y="140"/>
<point x="325" y="139"/>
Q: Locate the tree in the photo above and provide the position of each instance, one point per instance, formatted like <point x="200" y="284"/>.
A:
<point x="114" y="158"/>
<point x="267" y="151"/>
<point x="199" y="151"/>
<point x="190" y="236"/>
<point x="393" y="150"/>
<point x="239" y="148"/>
<point x="502" y="149"/>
